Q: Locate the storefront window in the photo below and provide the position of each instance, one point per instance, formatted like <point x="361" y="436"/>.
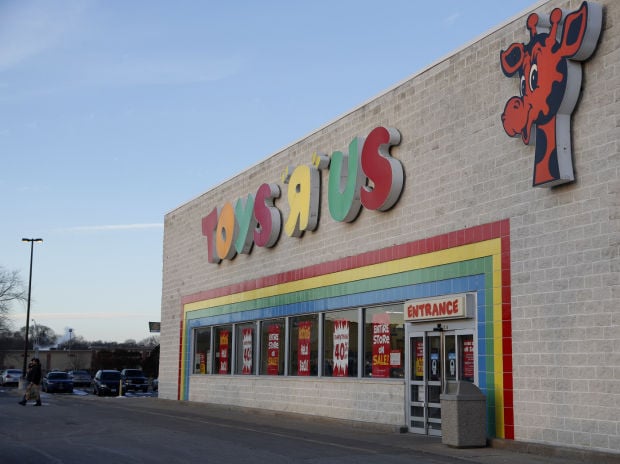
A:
<point x="272" y="346"/>
<point x="340" y="343"/>
<point x="384" y="341"/>
<point x="223" y="341"/>
<point x="202" y="351"/>
<point x="304" y="348"/>
<point x="245" y="356"/>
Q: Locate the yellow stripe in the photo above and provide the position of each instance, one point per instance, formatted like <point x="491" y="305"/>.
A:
<point x="437" y="258"/>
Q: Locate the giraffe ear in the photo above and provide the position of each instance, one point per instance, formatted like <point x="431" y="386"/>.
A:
<point x="512" y="59"/>
<point x="581" y="31"/>
<point x="574" y="31"/>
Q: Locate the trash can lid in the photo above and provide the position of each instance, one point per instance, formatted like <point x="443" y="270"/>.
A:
<point x="463" y="391"/>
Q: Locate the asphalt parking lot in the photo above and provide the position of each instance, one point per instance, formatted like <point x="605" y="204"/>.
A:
<point x="140" y="428"/>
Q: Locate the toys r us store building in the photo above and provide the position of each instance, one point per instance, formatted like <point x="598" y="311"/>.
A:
<point x="462" y="226"/>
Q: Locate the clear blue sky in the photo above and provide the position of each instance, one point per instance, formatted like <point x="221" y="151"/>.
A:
<point x="114" y="112"/>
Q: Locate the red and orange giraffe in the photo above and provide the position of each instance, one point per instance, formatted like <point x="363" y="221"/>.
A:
<point x="550" y="74"/>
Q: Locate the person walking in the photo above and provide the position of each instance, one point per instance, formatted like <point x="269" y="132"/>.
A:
<point x="33" y="376"/>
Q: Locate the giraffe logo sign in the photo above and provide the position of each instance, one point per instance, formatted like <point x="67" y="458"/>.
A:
<point x="550" y="74"/>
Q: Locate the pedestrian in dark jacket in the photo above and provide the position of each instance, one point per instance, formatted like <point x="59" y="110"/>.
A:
<point x="33" y="376"/>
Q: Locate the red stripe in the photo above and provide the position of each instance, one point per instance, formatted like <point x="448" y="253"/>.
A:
<point x="406" y="250"/>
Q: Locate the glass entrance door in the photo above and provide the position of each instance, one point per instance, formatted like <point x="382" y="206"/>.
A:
<point x="435" y="357"/>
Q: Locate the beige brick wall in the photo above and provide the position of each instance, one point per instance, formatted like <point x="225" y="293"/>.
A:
<point x="461" y="170"/>
<point x="379" y="402"/>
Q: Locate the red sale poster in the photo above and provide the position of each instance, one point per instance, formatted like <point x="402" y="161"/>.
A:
<point x="419" y="358"/>
<point x="224" y="336"/>
<point x="203" y="362"/>
<point x="273" y="350"/>
<point x="303" y="346"/>
<point x="381" y="345"/>
<point x="468" y="359"/>
<point x="246" y="334"/>
<point x="341" y="348"/>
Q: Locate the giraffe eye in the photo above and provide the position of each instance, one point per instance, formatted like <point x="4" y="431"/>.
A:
<point x="533" y="77"/>
<point x="522" y="89"/>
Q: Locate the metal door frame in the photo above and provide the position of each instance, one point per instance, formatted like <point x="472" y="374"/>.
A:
<point x="420" y="388"/>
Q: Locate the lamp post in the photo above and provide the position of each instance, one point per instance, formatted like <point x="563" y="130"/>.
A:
<point x="32" y="242"/>
<point x="36" y="338"/>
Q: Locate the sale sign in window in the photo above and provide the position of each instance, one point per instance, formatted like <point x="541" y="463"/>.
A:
<point x="246" y="334"/>
<point x="273" y="352"/>
<point x="381" y="345"/>
<point x="224" y="351"/>
<point x="341" y="348"/>
<point x="303" y="346"/>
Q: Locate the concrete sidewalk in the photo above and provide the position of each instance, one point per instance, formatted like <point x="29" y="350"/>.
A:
<point x="498" y="451"/>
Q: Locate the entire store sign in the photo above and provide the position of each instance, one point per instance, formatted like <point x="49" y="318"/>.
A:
<point x="224" y="352"/>
<point x="366" y="176"/>
<point x="381" y="345"/>
<point x="303" y="348"/>
<point x="550" y="73"/>
<point x="273" y="350"/>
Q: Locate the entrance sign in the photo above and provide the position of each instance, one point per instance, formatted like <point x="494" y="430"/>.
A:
<point x="550" y="73"/>
<point x="440" y="308"/>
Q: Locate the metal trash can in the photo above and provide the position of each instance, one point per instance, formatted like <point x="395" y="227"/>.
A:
<point x="463" y="416"/>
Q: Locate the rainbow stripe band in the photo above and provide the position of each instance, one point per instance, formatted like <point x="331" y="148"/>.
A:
<point x="475" y="259"/>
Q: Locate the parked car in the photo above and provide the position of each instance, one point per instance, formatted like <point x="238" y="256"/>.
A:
<point x="134" y="379"/>
<point x="155" y="385"/>
<point x="10" y="376"/>
<point x="106" y="382"/>
<point x="57" y="382"/>
<point x="80" y="378"/>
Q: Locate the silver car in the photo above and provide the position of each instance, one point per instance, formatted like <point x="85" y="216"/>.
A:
<point x="10" y="376"/>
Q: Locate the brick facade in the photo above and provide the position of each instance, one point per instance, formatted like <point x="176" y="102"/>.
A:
<point x="461" y="171"/>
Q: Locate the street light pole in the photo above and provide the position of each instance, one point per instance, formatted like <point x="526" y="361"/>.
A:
<point x="32" y="242"/>
<point x="35" y="344"/>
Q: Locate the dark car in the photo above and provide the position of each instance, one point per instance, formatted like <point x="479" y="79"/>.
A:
<point x="106" y="382"/>
<point x="57" y="382"/>
<point x="134" y="379"/>
<point x="80" y="378"/>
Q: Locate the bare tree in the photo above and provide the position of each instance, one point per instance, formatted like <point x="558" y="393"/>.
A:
<point x="151" y="341"/>
<point x="11" y="290"/>
<point x="41" y="335"/>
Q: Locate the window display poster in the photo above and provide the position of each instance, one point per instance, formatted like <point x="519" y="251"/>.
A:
<point x="341" y="348"/>
<point x="273" y="350"/>
<point x="468" y="359"/>
<point x="419" y="358"/>
<point x="303" y="346"/>
<point x="224" y="351"/>
<point x="381" y="345"/>
<point x="203" y="362"/>
<point x="246" y="335"/>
